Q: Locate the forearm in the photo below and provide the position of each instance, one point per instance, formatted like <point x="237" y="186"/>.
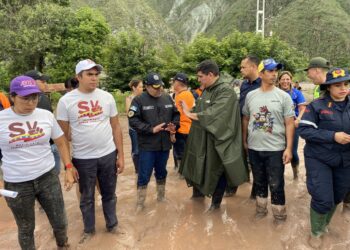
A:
<point x="192" y="116"/>
<point x="316" y="135"/>
<point x="118" y="141"/>
<point x="117" y="136"/>
<point x="301" y="111"/>
<point x="63" y="148"/>
<point x="289" y="133"/>
<point x="245" y="122"/>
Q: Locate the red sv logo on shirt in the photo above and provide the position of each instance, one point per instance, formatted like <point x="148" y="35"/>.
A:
<point x="21" y="133"/>
<point x="89" y="109"/>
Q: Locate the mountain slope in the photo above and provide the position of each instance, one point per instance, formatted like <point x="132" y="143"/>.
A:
<point x="136" y="14"/>
<point x="316" y="27"/>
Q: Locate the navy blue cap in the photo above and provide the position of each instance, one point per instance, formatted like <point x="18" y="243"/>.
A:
<point x="154" y="79"/>
<point x="181" y="77"/>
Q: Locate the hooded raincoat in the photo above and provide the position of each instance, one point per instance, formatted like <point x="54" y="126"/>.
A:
<point x="214" y="145"/>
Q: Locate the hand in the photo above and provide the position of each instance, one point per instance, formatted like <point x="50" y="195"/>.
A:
<point x="120" y="165"/>
<point x="158" y="128"/>
<point x="287" y="156"/>
<point x="171" y="127"/>
<point x="245" y="147"/>
<point x="342" y="138"/>
<point x="296" y="122"/>
<point x="71" y="177"/>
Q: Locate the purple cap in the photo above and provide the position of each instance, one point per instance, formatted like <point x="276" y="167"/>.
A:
<point x="23" y="86"/>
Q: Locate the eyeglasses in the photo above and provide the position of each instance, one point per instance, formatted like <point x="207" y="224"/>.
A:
<point x="29" y="98"/>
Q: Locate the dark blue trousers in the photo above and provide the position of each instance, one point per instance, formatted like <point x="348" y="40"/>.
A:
<point x="268" y="171"/>
<point x="104" y="169"/>
<point x="149" y="160"/>
<point x="327" y="185"/>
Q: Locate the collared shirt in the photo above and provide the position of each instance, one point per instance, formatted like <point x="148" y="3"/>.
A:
<point x="246" y="87"/>
<point x="297" y="98"/>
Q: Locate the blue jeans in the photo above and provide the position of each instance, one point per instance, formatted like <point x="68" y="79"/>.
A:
<point x="295" y="159"/>
<point x="47" y="190"/>
<point x="149" y="160"/>
<point x="268" y="171"/>
<point x="57" y="158"/>
<point x="327" y="185"/>
<point x="104" y="169"/>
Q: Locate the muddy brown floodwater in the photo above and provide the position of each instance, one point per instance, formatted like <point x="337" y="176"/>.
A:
<point x="182" y="223"/>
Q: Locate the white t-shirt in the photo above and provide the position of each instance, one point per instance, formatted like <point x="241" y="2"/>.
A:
<point x="89" y="117"/>
<point x="24" y="142"/>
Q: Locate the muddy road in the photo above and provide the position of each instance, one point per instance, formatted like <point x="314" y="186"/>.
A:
<point x="182" y="223"/>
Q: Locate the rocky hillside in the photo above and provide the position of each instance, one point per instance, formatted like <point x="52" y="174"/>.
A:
<point x="316" y="27"/>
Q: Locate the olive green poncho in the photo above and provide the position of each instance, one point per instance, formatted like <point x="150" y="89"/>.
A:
<point x="214" y="144"/>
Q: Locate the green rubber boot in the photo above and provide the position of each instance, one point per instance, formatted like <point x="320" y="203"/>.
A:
<point x="329" y="218"/>
<point x="318" y="224"/>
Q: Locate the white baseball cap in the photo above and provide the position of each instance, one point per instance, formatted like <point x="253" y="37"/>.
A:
<point x="86" y="65"/>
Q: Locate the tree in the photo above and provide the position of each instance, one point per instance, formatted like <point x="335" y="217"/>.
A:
<point x="238" y="45"/>
<point x="85" y="36"/>
<point x="200" y="49"/>
<point x="30" y="34"/>
<point x="127" y="55"/>
<point x="51" y="38"/>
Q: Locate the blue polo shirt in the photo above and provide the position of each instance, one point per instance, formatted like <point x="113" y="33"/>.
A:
<point x="246" y="87"/>
<point x="297" y="98"/>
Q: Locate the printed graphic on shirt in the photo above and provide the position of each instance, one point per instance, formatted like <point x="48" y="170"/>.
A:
<point x="263" y="120"/>
<point x="90" y="110"/>
<point x="25" y="132"/>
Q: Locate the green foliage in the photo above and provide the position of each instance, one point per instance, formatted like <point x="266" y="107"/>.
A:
<point x="200" y="49"/>
<point x="84" y="37"/>
<point x="54" y="97"/>
<point x="127" y="55"/>
<point x="119" y="98"/>
<point x="4" y="77"/>
<point x="51" y="38"/>
<point x="324" y="30"/>
<point x="170" y="59"/>
<point x="229" y="52"/>
<point x="30" y="34"/>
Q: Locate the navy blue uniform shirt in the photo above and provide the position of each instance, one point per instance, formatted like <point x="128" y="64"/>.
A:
<point x="322" y="119"/>
<point x="246" y="87"/>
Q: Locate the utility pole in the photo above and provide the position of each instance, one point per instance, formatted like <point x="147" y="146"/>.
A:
<point x="260" y="17"/>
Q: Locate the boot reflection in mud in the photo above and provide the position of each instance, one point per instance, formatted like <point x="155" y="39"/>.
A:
<point x="153" y="116"/>
<point x="214" y="142"/>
